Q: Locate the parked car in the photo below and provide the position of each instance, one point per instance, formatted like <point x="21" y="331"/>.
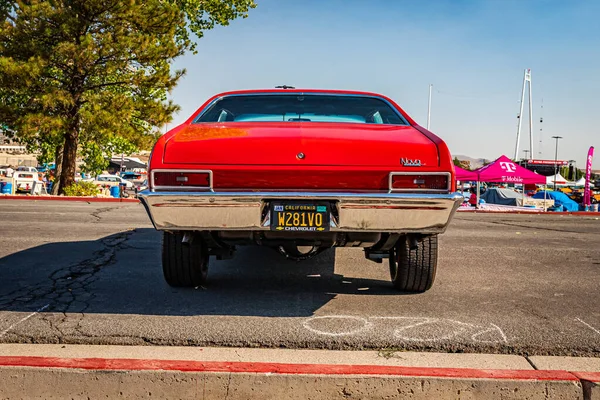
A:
<point x="132" y="176"/>
<point x="112" y="180"/>
<point x="135" y="177"/>
<point x="143" y="185"/>
<point x="295" y="169"/>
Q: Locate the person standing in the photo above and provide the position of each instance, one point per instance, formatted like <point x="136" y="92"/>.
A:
<point x="9" y="171"/>
<point x="473" y="197"/>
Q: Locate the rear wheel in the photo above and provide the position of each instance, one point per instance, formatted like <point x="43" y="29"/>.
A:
<point x="413" y="269"/>
<point x="184" y="264"/>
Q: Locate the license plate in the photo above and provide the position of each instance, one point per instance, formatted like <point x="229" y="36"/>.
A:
<point x="300" y="217"/>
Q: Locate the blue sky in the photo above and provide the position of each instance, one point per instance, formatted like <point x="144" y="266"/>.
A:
<point x="473" y="52"/>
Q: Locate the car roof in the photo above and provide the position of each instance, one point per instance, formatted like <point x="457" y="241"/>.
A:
<point x="300" y="90"/>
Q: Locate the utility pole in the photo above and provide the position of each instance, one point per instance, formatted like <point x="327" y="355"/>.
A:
<point x="429" y="106"/>
<point x="526" y="78"/>
<point x="556" y="158"/>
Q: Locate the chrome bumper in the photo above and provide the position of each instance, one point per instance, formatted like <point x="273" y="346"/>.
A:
<point x="245" y="211"/>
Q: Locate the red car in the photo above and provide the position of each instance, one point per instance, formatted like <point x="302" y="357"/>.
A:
<point x="301" y="171"/>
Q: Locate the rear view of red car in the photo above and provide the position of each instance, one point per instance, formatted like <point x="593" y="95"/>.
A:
<point x="301" y="171"/>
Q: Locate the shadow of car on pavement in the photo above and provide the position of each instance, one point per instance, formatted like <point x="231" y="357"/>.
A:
<point x="122" y="274"/>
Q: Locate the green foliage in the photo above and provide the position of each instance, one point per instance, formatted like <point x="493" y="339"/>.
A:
<point x="456" y="162"/>
<point x="203" y="15"/>
<point x="81" y="188"/>
<point x="77" y="74"/>
<point x="564" y="171"/>
<point x="94" y="159"/>
<point x="96" y="156"/>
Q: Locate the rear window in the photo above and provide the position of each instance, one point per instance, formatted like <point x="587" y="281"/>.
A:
<point x="299" y="107"/>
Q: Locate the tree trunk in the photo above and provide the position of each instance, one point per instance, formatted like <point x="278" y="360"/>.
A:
<point x="67" y="176"/>
<point x="58" y="157"/>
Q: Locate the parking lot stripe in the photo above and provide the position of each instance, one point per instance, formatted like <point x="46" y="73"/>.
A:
<point x="4" y="332"/>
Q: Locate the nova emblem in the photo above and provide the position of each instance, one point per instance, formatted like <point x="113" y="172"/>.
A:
<point x="407" y="162"/>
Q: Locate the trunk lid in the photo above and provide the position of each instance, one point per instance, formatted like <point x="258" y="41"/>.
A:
<point x="323" y="144"/>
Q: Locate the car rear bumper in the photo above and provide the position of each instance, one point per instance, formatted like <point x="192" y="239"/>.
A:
<point x="248" y="211"/>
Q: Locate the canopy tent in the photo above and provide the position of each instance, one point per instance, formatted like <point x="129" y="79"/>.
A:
<point x="128" y="164"/>
<point x="580" y="182"/>
<point x="558" y="178"/>
<point x="504" y="170"/>
<point x="465" y="175"/>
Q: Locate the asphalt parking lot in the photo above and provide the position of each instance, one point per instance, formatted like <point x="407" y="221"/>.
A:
<point x="73" y="272"/>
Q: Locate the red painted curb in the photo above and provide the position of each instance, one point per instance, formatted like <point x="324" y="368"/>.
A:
<point x="116" y="364"/>
<point x="71" y="198"/>
<point x="588" y="376"/>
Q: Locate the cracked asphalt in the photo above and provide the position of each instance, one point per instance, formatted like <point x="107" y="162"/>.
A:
<point x="73" y="272"/>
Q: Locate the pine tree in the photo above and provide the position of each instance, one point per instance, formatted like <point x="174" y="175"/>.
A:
<point x="90" y="75"/>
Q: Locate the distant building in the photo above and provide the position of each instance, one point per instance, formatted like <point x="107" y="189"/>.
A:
<point x="546" y="167"/>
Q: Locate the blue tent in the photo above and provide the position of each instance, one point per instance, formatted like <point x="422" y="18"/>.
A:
<point x="560" y="199"/>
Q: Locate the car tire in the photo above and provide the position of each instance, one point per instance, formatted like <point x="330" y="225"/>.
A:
<point x="413" y="270"/>
<point x="184" y="264"/>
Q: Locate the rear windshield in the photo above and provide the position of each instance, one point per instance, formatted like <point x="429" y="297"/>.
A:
<point x="301" y="108"/>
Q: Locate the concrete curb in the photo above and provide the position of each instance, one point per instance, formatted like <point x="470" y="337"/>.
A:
<point x="193" y="375"/>
<point x="125" y="378"/>
<point x="70" y="198"/>
<point x="590" y="382"/>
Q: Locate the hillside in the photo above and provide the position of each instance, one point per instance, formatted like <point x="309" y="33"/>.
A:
<point x="470" y="162"/>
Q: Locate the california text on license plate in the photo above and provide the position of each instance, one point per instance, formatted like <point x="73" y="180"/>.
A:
<point x="300" y="217"/>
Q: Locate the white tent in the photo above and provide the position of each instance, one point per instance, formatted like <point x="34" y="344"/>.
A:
<point x="558" y="178"/>
<point x="580" y="182"/>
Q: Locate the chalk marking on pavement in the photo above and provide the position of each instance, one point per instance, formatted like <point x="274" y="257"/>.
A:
<point x="463" y="327"/>
<point x="415" y="324"/>
<point x="366" y="325"/>
<point x="4" y="332"/>
<point x="588" y="325"/>
<point x="495" y="328"/>
<point x="501" y="333"/>
<point x="398" y="332"/>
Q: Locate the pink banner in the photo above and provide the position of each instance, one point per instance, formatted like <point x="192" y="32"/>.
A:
<point x="588" y="173"/>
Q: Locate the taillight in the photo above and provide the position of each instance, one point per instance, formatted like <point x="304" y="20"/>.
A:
<point x="181" y="179"/>
<point x="424" y="182"/>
